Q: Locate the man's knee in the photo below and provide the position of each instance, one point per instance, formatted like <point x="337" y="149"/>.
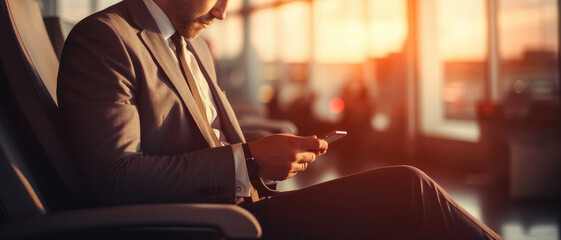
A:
<point x="408" y="171"/>
<point x="401" y="176"/>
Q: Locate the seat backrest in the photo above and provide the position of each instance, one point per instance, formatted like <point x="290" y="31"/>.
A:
<point x="29" y="29"/>
<point x="18" y="198"/>
<point x="30" y="68"/>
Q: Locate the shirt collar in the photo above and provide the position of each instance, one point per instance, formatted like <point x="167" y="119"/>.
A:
<point x="162" y="20"/>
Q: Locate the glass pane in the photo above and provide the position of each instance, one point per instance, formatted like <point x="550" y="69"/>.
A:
<point x="528" y="48"/>
<point x="452" y="66"/>
<point x="295" y="32"/>
<point x="387" y="27"/>
<point x="263" y="31"/>
<point x="358" y="47"/>
<point x="462" y="37"/>
<point x="339" y="31"/>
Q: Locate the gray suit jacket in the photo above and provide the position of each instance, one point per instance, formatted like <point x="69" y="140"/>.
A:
<point x="131" y="118"/>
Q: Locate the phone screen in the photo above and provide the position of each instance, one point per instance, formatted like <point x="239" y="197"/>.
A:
<point x="333" y="136"/>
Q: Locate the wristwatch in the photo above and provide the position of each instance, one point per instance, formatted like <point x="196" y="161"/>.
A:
<point x="252" y="167"/>
<point x="247" y="152"/>
<point x="253" y="172"/>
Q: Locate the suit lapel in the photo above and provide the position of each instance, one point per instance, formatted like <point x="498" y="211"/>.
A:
<point x="229" y="121"/>
<point x="158" y="47"/>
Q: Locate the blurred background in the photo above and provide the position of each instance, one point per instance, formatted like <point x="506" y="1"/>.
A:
<point x="465" y="90"/>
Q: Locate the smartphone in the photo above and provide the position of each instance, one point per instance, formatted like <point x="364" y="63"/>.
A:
<point x="333" y="136"/>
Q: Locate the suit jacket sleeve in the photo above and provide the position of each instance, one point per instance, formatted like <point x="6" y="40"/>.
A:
<point x="99" y="101"/>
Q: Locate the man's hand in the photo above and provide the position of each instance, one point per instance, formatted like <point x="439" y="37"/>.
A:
<point x="281" y="156"/>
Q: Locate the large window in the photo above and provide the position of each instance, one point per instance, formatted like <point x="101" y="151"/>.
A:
<point x="484" y="51"/>
<point x="452" y="66"/>
<point x="528" y="49"/>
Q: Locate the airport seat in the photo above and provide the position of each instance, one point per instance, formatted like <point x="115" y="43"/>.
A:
<point x="26" y="215"/>
<point x="253" y="118"/>
<point x="42" y="194"/>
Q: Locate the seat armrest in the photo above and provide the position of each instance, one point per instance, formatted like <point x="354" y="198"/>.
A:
<point x="231" y="221"/>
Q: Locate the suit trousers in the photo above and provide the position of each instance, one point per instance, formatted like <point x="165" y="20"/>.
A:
<point x="398" y="202"/>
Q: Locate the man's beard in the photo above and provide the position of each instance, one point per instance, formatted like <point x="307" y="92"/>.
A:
<point x="187" y="25"/>
<point x="191" y="30"/>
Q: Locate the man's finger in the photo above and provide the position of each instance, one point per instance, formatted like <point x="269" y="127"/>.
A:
<point x="305" y="157"/>
<point x="313" y="144"/>
<point x="299" y="167"/>
<point x="302" y="167"/>
<point x="323" y="145"/>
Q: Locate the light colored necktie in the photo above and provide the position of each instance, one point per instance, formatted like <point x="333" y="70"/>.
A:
<point x="179" y="51"/>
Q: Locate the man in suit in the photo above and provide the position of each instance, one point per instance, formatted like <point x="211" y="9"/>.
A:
<point x="149" y="124"/>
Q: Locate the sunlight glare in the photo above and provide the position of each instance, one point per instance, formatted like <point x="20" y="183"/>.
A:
<point x="462" y="29"/>
<point x="232" y="29"/>
<point x="295" y="28"/>
<point x="336" y="105"/>
<point x="339" y="31"/>
<point x="387" y="26"/>
<point x="264" y="34"/>
<point x="527" y="26"/>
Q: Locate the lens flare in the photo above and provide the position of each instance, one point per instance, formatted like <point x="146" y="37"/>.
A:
<point x="336" y="105"/>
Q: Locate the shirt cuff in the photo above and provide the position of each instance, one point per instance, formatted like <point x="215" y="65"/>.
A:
<point x="242" y="177"/>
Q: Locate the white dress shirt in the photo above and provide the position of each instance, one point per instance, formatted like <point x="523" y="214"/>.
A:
<point x="167" y="30"/>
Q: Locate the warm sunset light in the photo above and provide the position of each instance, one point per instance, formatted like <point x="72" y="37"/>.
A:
<point x="282" y="33"/>
<point x="462" y="29"/>
<point x="328" y="31"/>
<point x="295" y="42"/>
<point x="387" y="26"/>
<point x="264" y="34"/>
<point x="340" y="31"/>
<point x="452" y="109"/>
<point x="527" y="26"/>
<point x="344" y="32"/>
<point x="336" y="105"/>
<point x="231" y="29"/>
<point x="452" y="92"/>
